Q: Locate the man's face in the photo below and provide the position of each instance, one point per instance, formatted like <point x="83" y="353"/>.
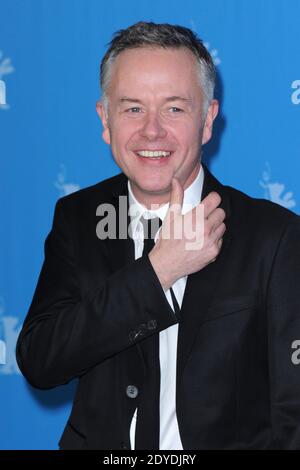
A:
<point x="156" y="105"/>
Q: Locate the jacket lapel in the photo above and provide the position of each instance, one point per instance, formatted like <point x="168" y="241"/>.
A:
<point x="120" y="250"/>
<point x="202" y="285"/>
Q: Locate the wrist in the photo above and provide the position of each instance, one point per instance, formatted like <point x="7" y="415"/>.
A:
<point x="165" y="278"/>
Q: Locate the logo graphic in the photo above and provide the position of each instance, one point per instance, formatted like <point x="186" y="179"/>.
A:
<point x="295" y="96"/>
<point x="275" y="191"/>
<point x="9" y="331"/>
<point x="5" y="69"/>
<point x="213" y="52"/>
<point x="2" y="93"/>
<point x="2" y="352"/>
<point x="61" y="184"/>
<point x="137" y="229"/>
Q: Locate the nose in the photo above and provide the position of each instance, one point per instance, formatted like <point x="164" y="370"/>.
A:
<point x="152" y="127"/>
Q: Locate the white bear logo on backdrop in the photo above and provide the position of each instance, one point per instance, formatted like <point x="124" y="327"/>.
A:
<point x="213" y="52"/>
<point x="274" y="191"/>
<point x="2" y="93"/>
<point x="5" y="69"/>
<point x="61" y="184"/>
<point x="10" y="328"/>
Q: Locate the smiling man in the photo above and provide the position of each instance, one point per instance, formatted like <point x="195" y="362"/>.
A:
<point x="179" y="342"/>
<point x="145" y="110"/>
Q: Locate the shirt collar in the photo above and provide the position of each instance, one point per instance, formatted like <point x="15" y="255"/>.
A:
<point x="192" y="197"/>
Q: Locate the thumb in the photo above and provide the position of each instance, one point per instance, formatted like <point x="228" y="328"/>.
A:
<point x="176" y="198"/>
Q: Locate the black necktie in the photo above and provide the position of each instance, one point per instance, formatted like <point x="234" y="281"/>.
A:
<point x="151" y="226"/>
<point x="148" y="414"/>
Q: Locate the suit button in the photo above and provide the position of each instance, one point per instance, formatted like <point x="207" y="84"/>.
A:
<point x="132" y="391"/>
<point x="152" y="324"/>
<point x="133" y="335"/>
<point x="142" y="329"/>
<point x="124" y="446"/>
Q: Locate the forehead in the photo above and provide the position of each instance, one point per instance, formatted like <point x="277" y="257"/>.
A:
<point x="151" y="69"/>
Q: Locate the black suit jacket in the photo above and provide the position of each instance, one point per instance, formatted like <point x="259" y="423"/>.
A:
<point x="237" y="386"/>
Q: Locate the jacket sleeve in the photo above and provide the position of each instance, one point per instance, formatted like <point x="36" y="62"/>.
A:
<point x="284" y="330"/>
<point x="64" y="334"/>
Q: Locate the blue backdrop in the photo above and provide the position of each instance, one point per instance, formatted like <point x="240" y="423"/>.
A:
<point x="50" y="140"/>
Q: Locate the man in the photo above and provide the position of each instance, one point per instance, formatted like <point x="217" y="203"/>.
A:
<point x="176" y="346"/>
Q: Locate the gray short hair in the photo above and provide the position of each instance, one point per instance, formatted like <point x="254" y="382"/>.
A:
<point x="165" y="35"/>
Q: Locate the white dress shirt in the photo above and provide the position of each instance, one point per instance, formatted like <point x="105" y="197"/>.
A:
<point x="169" y="432"/>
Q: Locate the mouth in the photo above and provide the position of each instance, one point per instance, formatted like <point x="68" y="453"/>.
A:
<point x="153" y="155"/>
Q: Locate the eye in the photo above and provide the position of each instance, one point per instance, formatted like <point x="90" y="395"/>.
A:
<point x="174" y="109"/>
<point x="135" y="109"/>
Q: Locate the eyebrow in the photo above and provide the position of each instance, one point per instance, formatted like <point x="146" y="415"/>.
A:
<point x="178" y="98"/>
<point x="167" y="100"/>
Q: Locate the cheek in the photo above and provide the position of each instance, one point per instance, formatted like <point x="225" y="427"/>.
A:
<point x="122" y="134"/>
<point x="120" y="144"/>
<point x="188" y="136"/>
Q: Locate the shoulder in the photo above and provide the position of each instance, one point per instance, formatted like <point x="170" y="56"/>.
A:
<point x="260" y="217"/>
<point x="248" y="212"/>
<point x="93" y="195"/>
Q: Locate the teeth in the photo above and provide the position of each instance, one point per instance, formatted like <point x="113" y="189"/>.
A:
<point x="153" y="154"/>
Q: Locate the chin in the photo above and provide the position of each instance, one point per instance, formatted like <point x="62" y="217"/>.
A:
<point x="155" y="187"/>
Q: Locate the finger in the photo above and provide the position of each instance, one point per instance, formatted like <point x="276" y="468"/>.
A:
<point x="219" y="241"/>
<point x="218" y="234"/>
<point x="210" y="203"/>
<point x="219" y="248"/>
<point x="176" y="198"/>
<point x="216" y="218"/>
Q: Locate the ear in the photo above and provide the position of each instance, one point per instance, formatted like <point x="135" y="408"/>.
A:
<point x="102" y="114"/>
<point x="212" y="112"/>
